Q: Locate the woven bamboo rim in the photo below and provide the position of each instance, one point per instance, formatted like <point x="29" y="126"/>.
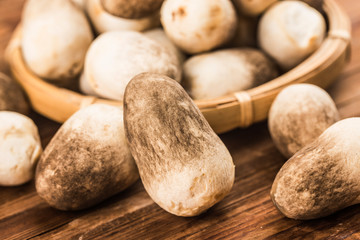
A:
<point x="240" y="109"/>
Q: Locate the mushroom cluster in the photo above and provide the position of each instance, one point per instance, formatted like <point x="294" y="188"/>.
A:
<point x="213" y="48"/>
<point x="157" y="56"/>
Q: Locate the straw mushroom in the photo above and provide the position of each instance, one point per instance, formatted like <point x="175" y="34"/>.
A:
<point x="215" y="74"/>
<point x="103" y="21"/>
<point x="87" y="161"/>
<point x="290" y="31"/>
<point x="183" y="164"/>
<point x="132" y="8"/>
<point x="323" y="177"/>
<point x="115" y="57"/>
<point x="11" y="96"/>
<point x="55" y="38"/>
<point x="298" y="115"/>
<point x="198" y="26"/>
<point x="20" y="148"/>
<point x="253" y="7"/>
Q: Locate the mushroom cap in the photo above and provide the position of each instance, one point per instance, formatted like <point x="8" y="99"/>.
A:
<point x="20" y="148"/>
<point x="55" y="38"/>
<point x="323" y="177"/>
<point x="183" y="164"/>
<point x="298" y="115"/>
<point x="218" y="73"/>
<point x="87" y="161"/>
<point x="115" y="57"/>
<point x="290" y="31"/>
<point x="198" y="26"/>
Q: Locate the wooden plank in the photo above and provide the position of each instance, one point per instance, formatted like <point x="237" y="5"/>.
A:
<point x="116" y="208"/>
<point x="32" y="222"/>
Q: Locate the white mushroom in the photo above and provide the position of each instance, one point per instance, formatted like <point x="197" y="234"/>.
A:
<point x="218" y="73"/>
<point x="55" y="38"/>
<point x="184" y="166"/>
<point x="20" y="148"/>
<point x="198" y="26"/>
<point x="322" y="177"/>
<point x="299" y="114"/>
<point x="290" y="31"/>
<point x="104" y="21"/>
<point x="87" y="161"/>
<point x="116" y="57"/>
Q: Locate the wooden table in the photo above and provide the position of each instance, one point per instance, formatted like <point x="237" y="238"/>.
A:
<point x="246" y="213"/>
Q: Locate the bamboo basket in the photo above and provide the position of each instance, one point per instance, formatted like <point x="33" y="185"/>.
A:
<point x="240" y="109"/>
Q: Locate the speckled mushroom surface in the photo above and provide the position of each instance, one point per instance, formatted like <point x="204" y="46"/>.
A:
<point x="221" y="72"/>
<point x="198" y="26"/>
<point x="183" y="164"/>
<point x="298" y="115"/>
<point x="322" y="177"/>
<point x="87" y="160"/>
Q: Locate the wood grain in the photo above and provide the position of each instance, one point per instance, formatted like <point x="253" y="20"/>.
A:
<point x="246" y="213"/>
